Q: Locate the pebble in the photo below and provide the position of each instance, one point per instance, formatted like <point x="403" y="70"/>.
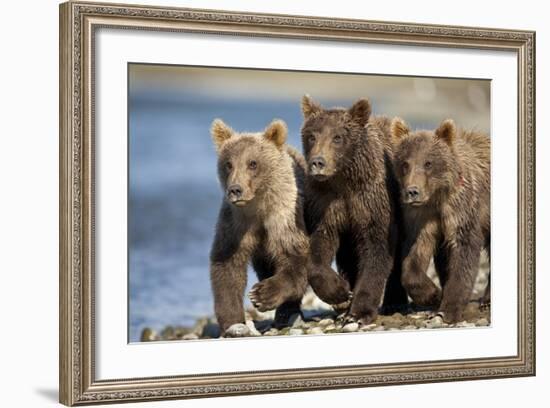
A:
<point x="168" y="333"/>
<point x="392" y="323"/>
<point x="148" y="335"/>
<point x="237" y="330"/>
<point x="331" y="326"/>
<point x="315" y="330"/>
<point x="465" y="324"/>
<point x="369" y="327"/>
<point x="350" y="327"/>
<point x="435" y="323"/>
<point x="253" y="331"/>
<point x="379" y="328"/>
<point x="210" y="330"/>
<point x="295" y="332"/>
<point x="326" y="322"/>
<point x="421" y="324"/>
<point x="482" y="322"/>
<point x="190" y="336"/>
<point x="200" y="325"/>
<point x="410" y="327"/>
<point x="271" y="332"/>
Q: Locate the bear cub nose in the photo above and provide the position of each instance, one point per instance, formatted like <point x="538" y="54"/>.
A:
<point x="413" y="193"/>
<point x="235" y="191"/>
<point x="318" y="163"/>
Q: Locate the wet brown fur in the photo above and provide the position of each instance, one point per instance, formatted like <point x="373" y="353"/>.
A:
<point x="351" y="206"/>
<point x="449" y="218"/>
<point x="268" y="230"/>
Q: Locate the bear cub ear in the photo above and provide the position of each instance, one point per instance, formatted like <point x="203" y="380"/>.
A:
<point x="398" y="129"/>
<point x="360" y="111"/>
<point x="446" y="131"/>
<point x="309" y="107"/>
<point x="276" y="133"/>
<point x="220" y="133"/>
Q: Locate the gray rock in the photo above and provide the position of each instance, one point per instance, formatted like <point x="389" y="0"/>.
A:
<point x="392" y="323"/>
<point x="253" y="331"/>
<point x="182" y="331"/>
<point x="435" y="323"/>
<point x="350" y="327"/>
<point x="211" y="330"/>
<point x="482" y="322"/>
<point x="326" y="322"/>
<point x="238" y="330"/>
<point x="295" y="332"/>
<point x="315" y="330"/>
<point x="148" y="335"/>
<point x="190" y="336"/>
<point x="331" y="326"/>
<point x="379" y="328"/>
<point x="200" y="324"/>
<point x="272" y="332"/>
<point x="465" y="324"/>
<point x="369" y="327"/>
<point x="421" y="324"/>
<point x="410" y="327"/>
<point x="168" y="333"/>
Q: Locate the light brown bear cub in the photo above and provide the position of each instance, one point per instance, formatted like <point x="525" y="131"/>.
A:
<point x="260" y="221"/>
<point x="445" y="179"/>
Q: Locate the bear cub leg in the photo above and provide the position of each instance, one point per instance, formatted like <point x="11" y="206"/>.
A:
<point x="463" y="261"/>
<point x="228" y="284"/>
<point x="285" y="311"/>
<point x="280" y="282"/>
<point x="327" y="284"/>
<point x="419" y="286"/>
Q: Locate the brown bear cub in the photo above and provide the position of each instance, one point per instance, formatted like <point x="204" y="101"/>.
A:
<point x="260" y="221"/>
<point x="351" y="206"/>
<point x="445" y="186"/>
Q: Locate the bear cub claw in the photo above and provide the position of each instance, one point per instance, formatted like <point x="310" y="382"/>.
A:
<point x="343" y="307"/>
<point x="365" y="318"/>
<point x="267" y="294"/>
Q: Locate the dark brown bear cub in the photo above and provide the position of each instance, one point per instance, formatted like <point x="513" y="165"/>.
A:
<point x="445" y="178"/>
<point x="351" y="204"/>
<point x="260" y="221"/>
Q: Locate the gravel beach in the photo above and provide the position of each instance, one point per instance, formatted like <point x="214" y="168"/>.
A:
<point x="318" y="318"/>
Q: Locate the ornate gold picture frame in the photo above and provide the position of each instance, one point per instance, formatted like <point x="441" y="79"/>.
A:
<point x="78" y="24"/>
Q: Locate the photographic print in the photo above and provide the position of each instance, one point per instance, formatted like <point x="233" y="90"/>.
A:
<point x="277" y="202"/>
<point x="355" y="196"/>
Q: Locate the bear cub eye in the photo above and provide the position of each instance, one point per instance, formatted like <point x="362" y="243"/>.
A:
<point x="228" y="166"/>
<point x="405" y="167"/>
<point x="252" y="164"/>
<point x="311" y="139"/>
<point x="428" y="165"/>
<point x="337" y="139"/>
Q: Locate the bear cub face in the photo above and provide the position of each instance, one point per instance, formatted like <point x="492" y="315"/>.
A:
<point x="240" y="171"/>
<point x="424" y="162"/>
<point x="329" y="135"/>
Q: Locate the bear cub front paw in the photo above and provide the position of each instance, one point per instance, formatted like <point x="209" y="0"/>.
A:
<point x="267" y="294"/>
